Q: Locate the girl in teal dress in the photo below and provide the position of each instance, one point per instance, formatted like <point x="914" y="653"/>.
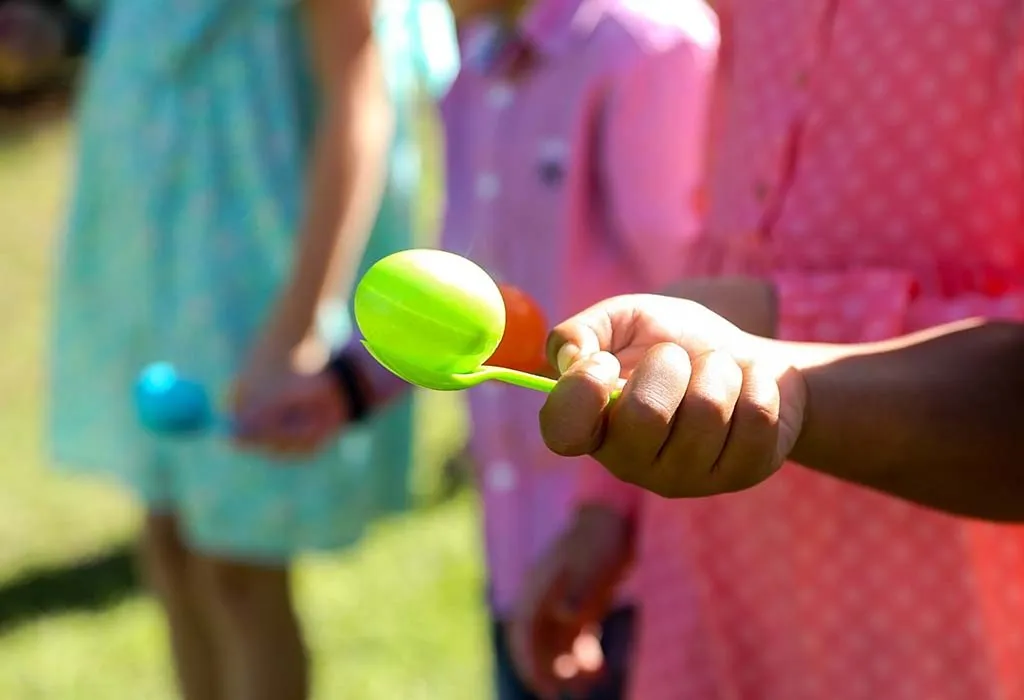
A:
<point x="228" y="168"/>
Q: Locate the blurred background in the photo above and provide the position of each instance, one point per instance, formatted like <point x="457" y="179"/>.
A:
<point x="398" y="616"/>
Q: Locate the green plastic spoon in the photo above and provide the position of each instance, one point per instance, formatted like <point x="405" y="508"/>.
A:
<point x="433" y="318"/>
<point x="438" y="381"/>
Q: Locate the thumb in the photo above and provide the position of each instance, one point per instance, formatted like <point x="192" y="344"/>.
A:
<point x="572" y="420"/>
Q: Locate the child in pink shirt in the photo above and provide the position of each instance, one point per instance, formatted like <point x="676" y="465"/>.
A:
<point x="869" y="166"/>
<point x="573" y="141"/>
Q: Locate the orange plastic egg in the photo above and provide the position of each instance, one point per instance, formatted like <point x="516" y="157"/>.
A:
<point x="526" y="332"/>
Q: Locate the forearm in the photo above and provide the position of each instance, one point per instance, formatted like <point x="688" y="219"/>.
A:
<point x="935" y="418"/>
<point x="347" y="168"/>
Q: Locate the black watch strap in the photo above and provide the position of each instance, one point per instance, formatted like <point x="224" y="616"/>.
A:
<point x="343" y="371"/>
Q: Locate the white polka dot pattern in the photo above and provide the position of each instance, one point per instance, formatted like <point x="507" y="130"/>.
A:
<point x="871" y="162"/>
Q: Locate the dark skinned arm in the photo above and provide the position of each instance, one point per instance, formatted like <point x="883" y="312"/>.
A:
<point x="936" y="418"/>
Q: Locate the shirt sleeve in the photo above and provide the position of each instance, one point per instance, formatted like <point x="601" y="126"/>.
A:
<point x="653" y="154"/>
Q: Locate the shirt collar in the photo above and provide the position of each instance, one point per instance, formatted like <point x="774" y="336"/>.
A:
<point x="545" y="27"/>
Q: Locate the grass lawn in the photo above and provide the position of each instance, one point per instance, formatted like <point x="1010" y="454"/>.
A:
<point x="397" y="618"/>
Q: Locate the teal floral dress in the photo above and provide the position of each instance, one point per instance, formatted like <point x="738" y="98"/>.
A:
<point x="195" y="128"/>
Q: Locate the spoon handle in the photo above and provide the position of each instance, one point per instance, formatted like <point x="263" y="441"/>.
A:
<point x="524" y="379"/>
<point x="537" y="382"/>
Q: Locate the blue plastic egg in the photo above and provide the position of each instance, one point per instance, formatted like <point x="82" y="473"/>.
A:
<point x="168" y="404"/>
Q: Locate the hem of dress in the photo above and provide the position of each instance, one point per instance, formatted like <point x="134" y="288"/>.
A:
<point x="85" y="470"/>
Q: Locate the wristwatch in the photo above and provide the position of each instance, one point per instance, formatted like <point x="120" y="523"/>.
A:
<point x="343" y="370"/>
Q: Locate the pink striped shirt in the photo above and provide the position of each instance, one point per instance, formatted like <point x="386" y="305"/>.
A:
<point x="573" y="180"/>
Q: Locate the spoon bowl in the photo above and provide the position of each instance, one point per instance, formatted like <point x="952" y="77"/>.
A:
<point x="430" y="309"/>
<point x="434" y="319"/>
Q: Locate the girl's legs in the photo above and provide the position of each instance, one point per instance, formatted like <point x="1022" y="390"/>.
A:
<point x="234" y="631"/>
<point x="171" y="574"/>
<point x="262" y="653"/>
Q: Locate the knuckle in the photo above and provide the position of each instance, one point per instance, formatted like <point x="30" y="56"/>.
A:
<point x="720" y="369"/>
<point x="761" y="417"/>
<point x="646" y="408"/>
<point x="715" y="389"/>
<point x="704" y="416"/>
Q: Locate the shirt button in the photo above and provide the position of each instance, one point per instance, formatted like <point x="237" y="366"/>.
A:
<point x="487" y="186"/>
<point x="803" y="79"/>
<point x="500" y="95"/>
<point x="500" y="477"/>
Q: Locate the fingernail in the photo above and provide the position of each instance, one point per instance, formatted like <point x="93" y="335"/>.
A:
<point x="567" y="356"/>
<point x="603" y="367"/>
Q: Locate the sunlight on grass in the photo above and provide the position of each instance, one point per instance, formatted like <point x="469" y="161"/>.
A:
<point x="397" y="618"/>
<point x="402" y="616"/>
<point x="119" y="653"/>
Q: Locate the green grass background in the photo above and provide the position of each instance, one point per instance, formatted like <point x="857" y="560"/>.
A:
<point x="398" y="617"/>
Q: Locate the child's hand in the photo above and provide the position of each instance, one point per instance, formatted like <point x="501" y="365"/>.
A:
<point x="297" y="415"/>
<point x="706" y="409"/>
<point x="553" y="633"/>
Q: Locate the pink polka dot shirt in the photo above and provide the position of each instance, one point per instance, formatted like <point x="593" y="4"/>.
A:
<point x="870" y="160"/>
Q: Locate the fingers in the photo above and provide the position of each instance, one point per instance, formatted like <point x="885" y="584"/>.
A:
<point x="287" y="435"/>
<point x="572" y="418"/>
<point x="688" y="463"/>
<point x="750" y="454"/>
<point x="577" y="670"/>
<point x="535" y="638"/>
<point x="580" y="337"/>
<point x="568" y="591"/>
<point x="640" y="422"/>
<point x="298" y="419"/>
<point x="605" y="326"/>
<point x="683" y="426"/>
<point x="562" y="660"/>
<point x="692" y="420"/>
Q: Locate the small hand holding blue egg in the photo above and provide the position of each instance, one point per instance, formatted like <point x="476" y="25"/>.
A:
<point x="170" y="405"/>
